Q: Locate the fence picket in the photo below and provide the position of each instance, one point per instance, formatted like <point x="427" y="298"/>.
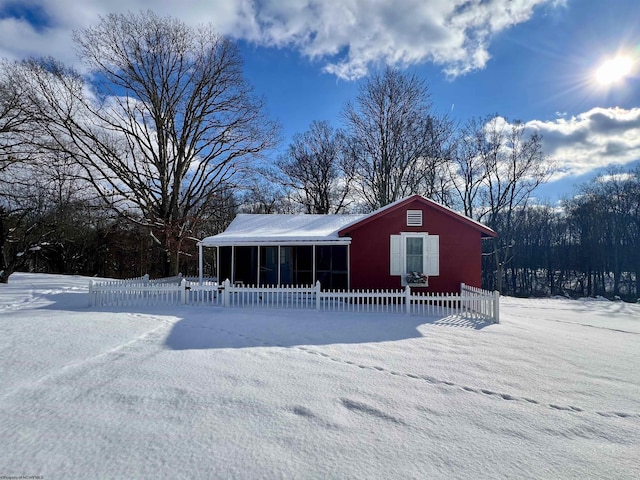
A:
<point x="470" y="301"/>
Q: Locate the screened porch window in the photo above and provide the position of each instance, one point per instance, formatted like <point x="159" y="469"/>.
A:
<point x="246" y="268"/>
<point x="268" y="266"/>
<point x="296" y="265"/>
<point x="285" y="265"/>
<point x="332" y="269"/>
<point x="224" y="261"/>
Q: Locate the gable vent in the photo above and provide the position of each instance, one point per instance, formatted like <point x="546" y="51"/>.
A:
<point x="414" y="218"/>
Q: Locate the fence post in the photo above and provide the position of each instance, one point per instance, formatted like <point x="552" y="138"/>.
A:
<point x="496" y="306"/>
<point x="91" y="299"/>
<point x="225" y="293"/>
<point x="183" y="291"/>
<point x="201" y="264"/>
<point x="317" y="292"/>
<point x="407" y="299"/>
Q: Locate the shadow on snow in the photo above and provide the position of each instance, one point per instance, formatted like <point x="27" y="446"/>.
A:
<point x="250" y="328"/>
<point x="204" y="327"/>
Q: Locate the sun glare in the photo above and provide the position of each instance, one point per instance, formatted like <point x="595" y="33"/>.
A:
<point x="614" y="70"/>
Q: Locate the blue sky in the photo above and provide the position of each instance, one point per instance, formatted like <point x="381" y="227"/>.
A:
<point x="528" y="60"/>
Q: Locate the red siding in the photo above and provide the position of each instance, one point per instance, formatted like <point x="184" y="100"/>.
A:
<point x="460" y="249"/>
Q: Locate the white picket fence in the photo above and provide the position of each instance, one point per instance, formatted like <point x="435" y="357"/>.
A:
<point x="470" y="301"/>
<point x="477" y="300"/>
<point x="145" y="279"/>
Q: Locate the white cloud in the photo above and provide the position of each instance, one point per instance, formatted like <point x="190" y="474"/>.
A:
<point x="353" y="35"/>
<point x="348" y="36"/>
<point x="598" y="138"/>
<point x="615" y="177"/>
<point x="18" y="40"/>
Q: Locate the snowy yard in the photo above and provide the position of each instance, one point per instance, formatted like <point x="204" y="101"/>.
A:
<point x="200" y="392"/>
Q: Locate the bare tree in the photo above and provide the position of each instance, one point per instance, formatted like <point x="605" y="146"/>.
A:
<point x="467" y="171"/>
<point x="500" y="168"/>
<point x="263" y="195"/>
<point x="169" y="122"/>
<point x="16" y="119"/>
<point x="319" y="167"/>
<point x="17" y="236"/>
<point x="42" y="203"/>
<point x="401" y="145"/>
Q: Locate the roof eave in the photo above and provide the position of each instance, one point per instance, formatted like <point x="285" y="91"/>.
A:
<point x="276" y="242"/>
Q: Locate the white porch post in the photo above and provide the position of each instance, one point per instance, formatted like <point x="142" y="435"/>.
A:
<point x="218" y="279"/>
<point x="349" y="266"/>
<point x="313" y="268"/>
<point x="200" y="264"/>
<point x="279" y="253"/>
<point x="233" y="265"/>
<point x="258" y="267"/>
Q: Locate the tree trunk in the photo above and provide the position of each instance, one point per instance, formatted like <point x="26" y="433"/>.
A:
<point x="4" y="270"/>
<point x="499" y="271"/>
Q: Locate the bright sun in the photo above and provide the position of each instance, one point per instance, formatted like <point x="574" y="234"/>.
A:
<point x="614" y="70"/>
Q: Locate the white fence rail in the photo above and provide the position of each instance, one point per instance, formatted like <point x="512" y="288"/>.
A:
<point x="471" y="301"/>
<point x="123" y="294"/>
<point x="171" y="280"/>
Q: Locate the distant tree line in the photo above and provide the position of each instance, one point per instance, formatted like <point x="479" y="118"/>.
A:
<point x="120" y="172"/>
<point x="589" y="246"/>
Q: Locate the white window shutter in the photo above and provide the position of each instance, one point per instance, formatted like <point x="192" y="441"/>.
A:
<point x="432" y="256"/>
<point x="395" y="259"/>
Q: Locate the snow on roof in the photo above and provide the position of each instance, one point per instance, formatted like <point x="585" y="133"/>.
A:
<point x="278" y="228"/>
<point x="249" y="229"/>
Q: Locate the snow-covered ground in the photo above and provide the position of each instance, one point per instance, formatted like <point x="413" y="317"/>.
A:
<point x="195" y="392"/>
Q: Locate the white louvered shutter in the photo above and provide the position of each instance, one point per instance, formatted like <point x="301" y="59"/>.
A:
<point x="395" y="259"/>
<point x="432" y="256"/>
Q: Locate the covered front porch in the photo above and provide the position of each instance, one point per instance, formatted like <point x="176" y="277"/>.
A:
<point x="282" y="249"/>
<point x="282" y="265"/>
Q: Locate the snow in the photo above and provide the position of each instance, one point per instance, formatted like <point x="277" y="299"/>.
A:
<point x="553" y="391"/>
<point x="251" y="228"/>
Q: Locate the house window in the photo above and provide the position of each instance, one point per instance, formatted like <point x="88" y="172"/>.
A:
<point x="414" y="256"/>
<point x="414" y="218"/>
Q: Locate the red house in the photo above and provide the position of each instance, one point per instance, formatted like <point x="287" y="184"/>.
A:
<point x="414" y="241"/>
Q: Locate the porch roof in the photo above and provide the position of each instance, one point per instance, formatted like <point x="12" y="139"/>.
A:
<point x="280" y="229"/>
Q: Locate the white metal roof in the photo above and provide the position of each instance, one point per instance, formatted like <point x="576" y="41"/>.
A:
<point x="278" y="229"/>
